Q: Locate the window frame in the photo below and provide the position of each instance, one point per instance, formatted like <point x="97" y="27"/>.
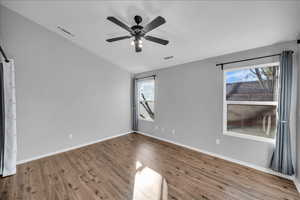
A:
<point x="138" y="95"/>
<point x="225" y="103"/>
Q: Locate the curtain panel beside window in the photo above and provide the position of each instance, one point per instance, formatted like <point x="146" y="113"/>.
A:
<point x="134" y="112"/>
<point x="2" y="130"/>
<point x="281" y="160"/>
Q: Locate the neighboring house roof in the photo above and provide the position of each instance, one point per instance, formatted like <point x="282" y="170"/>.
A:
<point x="249" y="91"/>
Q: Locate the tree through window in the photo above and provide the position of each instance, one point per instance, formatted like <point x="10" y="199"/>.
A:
<point x="146" y="98"/>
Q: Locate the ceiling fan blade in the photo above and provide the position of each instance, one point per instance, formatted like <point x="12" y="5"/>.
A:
<point x="157" y="40"/>
<point x="119" y="23"/>
<point x="154" y="24"/>
<point x="118" y="38"/>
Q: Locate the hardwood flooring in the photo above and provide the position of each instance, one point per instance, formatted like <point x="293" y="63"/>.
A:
<point x="136" y="167"/>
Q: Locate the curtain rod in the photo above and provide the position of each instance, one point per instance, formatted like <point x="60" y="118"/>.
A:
<point x="237" y="61"/>
<point x="146" y="77"/>
<point x="3" y="54"/>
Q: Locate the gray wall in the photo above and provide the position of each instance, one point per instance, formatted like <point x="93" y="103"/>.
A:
<point x="61" y="89"/>
<point x="189" y="99"/>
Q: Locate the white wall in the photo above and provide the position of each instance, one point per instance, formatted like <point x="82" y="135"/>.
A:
<point x="189" y="99"/>
<point x="61" y="89"/>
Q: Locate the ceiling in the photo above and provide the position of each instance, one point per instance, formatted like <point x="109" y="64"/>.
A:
<point x="195" y="29"/>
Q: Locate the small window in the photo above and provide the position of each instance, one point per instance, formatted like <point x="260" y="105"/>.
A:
<point x="250" y="102"/>
<point x="146" y="99"/>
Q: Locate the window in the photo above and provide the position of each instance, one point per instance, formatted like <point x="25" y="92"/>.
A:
<point x="146" y="98"/>
<point x="250" y="102"/>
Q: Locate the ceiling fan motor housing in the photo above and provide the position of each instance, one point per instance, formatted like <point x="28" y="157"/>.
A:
<point x="137" y="28"/>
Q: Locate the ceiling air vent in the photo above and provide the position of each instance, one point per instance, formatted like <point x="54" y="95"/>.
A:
<point x="168" y="57"/>
<point x="65" y="31"/>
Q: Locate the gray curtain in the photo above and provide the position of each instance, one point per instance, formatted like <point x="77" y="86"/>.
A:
<point x="134" y="106"/>
<point x="2" y="117"/>
<point x="282" y="156"/>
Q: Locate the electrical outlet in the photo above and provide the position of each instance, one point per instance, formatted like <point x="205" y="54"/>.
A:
<point x="218" y="141"/>
<point x="173" y="131"/>
<point x="156" y="128"/>
<point x="70" y="136"/>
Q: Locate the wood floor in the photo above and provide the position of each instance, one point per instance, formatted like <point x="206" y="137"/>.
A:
<point x="136" y="167"/>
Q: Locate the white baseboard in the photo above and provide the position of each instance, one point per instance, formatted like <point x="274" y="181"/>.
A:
<point x="297" y="184"/>
<point x="70" y="148"/>
<point x="263" y="169"/>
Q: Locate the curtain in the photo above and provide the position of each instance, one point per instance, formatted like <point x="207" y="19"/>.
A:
<point x="10" y="142"/>
<point x="282" y="156"/>
<point x="134" y="105"/>
<point x="2" y="131"/>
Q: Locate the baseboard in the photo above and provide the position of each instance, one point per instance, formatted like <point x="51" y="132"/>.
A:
<point x="70" y="148"/>
<point x="297" y="184"/>
<point x="263" y="169"/>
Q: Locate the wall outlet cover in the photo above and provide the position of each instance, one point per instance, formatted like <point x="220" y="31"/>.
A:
<point x="173" y="131"/>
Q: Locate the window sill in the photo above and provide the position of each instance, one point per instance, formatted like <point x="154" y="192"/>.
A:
<point x="250" y="137"/>
<point x="146" y="120"/>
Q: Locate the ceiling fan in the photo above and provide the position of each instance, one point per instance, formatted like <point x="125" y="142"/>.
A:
<point x="138" y="32"/>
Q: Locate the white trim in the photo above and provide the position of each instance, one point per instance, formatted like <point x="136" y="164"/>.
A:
<point x="263" y="103"/>
<point x="147" y="120"/>
<point x="250" y="137"/>
<point x="263" y="169"/>
<point x="226" y="103"/>
<point x="297" y="184"/>
<point x="70" y="148"/>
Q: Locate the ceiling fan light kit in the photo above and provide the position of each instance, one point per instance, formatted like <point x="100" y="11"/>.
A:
<point x="137" y="32"/>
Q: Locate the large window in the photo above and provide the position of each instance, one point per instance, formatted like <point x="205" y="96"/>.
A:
<point x="250" y="101"/>
<point x="146" y="98"/>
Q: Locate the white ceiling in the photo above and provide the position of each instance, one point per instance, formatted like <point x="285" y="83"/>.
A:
<point x="195" y="29"/>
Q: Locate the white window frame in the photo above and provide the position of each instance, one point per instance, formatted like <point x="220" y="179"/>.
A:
<point x="138" y="107"/>
<point x="225" y="103"/>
